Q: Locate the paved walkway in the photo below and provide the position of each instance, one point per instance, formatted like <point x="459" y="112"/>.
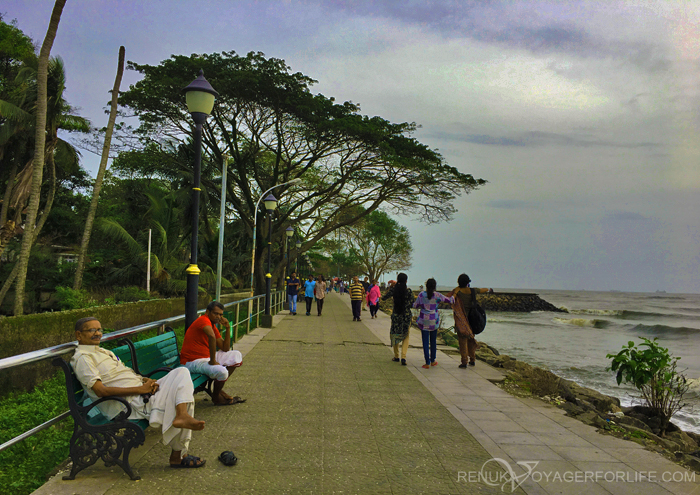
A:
<point x="329" y="412"/>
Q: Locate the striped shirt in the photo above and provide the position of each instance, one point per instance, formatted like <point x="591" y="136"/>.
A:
<point x="356" y="290"/>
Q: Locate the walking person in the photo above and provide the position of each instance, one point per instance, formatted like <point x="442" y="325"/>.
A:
<point x="320" y="291"/>
<point x="309" y="287"/>
<point x="462" y="304"/>
<point x="292" y="292"/>
<point x="365" y="283"/>
<point x="428" y="319"/>
<point x="357" y="294"/>
<point x="373" y="299"/>
<point x="401" y="316"/>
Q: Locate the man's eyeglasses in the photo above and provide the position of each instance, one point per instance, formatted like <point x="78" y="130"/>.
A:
<point x="92" y="330"/>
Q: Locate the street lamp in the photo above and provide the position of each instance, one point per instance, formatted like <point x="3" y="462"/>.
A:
<point x="200" y="97"/>
<point x="255" y="233"/>
<point x="270" y="205"/>
<point x="290" y="232"/>
<point x="298" y="245"/>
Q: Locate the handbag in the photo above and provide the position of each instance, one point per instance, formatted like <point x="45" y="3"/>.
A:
<point x="476" y="316"/>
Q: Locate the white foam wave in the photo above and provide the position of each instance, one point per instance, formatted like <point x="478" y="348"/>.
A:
<point x="598" y="312"/>
<point x="694" y="384"/>
<point x="579" y="322"/>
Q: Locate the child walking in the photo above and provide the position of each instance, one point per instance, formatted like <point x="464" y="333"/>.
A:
<point x="429" y="320"/>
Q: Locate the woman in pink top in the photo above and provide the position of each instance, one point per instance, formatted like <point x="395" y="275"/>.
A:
<point x="373" y="295"/>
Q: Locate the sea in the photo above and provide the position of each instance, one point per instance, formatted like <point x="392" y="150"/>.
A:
<point x="574" y="345"/>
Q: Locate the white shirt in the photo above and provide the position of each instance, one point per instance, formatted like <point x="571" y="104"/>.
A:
<point x="91" y="363"/>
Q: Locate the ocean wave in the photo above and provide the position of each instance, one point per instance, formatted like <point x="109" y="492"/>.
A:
<point x="597" y="312"/>
<point x="582" y="322"/>
<point x="694" y="384"/>
<point x="664" y="330"/>
<point x="626" y="314"/>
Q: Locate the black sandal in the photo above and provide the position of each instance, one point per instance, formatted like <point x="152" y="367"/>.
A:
<point x="396" y="360"/>
<point x="189" y="462"/>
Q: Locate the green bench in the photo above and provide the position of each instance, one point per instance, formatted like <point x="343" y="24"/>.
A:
<point x="157" y="356"/>
<point x="94" y="435"/>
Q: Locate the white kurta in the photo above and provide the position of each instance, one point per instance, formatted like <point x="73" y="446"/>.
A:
<point x="92" y="363"/>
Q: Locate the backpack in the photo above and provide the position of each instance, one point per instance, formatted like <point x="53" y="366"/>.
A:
<point x="476" y="316"/>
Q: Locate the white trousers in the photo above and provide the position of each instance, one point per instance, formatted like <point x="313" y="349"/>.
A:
<point x="219" y="371"/>
<point x="173" y="389"/>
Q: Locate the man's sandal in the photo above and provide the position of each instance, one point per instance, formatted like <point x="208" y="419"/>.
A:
<point x="189" y="462"/>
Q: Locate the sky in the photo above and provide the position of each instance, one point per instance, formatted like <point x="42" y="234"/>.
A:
<point x="583" y="116"/>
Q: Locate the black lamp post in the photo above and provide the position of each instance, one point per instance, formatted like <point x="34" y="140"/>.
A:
<point x="290" y="232"/>
<point x="200" y="102"/>
<point x="270" y="205"/>
<point x="298" y="245"/>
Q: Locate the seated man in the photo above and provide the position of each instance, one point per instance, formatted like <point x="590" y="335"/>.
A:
<point x="205" y="352"/>
<point x="171" y="404"/>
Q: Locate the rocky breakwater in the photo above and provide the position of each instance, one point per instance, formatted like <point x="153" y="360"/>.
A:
<point x="513" y="302"/>
<point x="595" y="409"/>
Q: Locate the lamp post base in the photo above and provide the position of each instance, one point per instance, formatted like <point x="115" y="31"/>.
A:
<point x="266" y="321"/>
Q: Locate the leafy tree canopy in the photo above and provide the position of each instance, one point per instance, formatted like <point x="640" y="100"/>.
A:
<point x="275" y="130"/>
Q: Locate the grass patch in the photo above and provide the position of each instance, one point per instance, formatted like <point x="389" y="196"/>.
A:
<point x="25" y="466"/>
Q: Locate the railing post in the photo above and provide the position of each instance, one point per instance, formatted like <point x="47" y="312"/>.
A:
<point x="238" y="312"/>
<point x="257" y="314"/>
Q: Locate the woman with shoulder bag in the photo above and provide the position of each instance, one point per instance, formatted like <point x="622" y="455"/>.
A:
<point x="463" y="296"/>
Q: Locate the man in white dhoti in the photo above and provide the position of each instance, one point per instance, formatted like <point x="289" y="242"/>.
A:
<point x="171" y="404"/>
<point x="205" y="351"/>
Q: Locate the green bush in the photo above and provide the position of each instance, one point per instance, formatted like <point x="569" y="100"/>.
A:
<point x="653" y="371"/>
<point x="130" y="294"/>
<point x="69" y="298"/>
<point x="24" y="466"/>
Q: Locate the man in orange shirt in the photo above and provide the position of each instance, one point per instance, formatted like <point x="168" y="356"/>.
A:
<point x="205" y="351"/>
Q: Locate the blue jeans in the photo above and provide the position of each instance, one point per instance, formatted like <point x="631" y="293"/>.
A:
<point x="429" y="339"/>
<point x="292" y="303"/>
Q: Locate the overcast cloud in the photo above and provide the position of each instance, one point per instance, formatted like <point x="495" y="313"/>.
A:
<point x="583" y="116"/>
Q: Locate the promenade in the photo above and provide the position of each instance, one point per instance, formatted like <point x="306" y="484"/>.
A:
<point x="328" y="412"/>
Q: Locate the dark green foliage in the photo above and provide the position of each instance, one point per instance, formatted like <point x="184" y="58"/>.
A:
<point x="24" y="467"/>
<point x="69" y="298"/>
<point x="130" y="294"/>
<point x="653" y="371"/>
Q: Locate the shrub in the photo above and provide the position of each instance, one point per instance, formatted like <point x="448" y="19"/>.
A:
<point x="130" y="294"/>
<point x="653" y="371"/>
<point x="24" y="466"/>
<point x="69" y="298"/>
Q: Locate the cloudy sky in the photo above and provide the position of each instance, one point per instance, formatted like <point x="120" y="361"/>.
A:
<point x="583" y="116"/>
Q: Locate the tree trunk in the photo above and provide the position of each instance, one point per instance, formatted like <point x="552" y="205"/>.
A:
<point x="78" y="281"/>
<point x="8" y="193"/>
<point x="40" y="224"/>
<point x="39" y="151"/>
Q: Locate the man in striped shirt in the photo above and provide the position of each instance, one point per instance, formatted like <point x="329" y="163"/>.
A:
<point x="357" y="294"/>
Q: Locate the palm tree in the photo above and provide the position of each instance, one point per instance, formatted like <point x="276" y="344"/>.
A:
<point x="170" y="254"/>
<point x="39" y="151"/>
<point x="78" y="281"/>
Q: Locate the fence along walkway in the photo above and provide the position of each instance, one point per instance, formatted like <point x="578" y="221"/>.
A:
<point x="329" y="412"/>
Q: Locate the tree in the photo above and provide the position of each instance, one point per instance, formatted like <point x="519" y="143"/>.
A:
<point x="39" y="141"/>
<point x="380" y="244"/>
<point x="61" y="158"/>
<point x="276" y="130"/>
<point x="78" y="282"/>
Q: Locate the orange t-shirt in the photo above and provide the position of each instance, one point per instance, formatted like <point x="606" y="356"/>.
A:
<point x="196" y="343"/>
